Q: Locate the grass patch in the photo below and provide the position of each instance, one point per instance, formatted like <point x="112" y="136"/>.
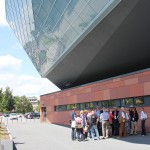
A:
<point x="3" y="132"/>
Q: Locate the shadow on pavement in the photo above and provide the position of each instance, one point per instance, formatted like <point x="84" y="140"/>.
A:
<point x="14" y="146"/>
<point x="137" y="139"/>
<point x="62" y="125"/>
<point x="16" y="143"/>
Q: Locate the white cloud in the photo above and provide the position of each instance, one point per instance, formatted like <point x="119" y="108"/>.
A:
<point x="9" y="62"/>
<point x="3" y="21"/>
<point x="27" y="85"/>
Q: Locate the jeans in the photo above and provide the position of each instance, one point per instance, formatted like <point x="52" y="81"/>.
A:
<point x="79" y="133"/>
<point x="143" y="127"/>
<point x="94" y="131"/>
<point x="73" y="134"/>
<point x="116" y="128"/>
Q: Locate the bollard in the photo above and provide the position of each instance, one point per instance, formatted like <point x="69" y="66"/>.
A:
<point x="2" y="147"/>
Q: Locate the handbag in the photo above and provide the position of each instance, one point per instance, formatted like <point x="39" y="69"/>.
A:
<point x="73" y="124"/>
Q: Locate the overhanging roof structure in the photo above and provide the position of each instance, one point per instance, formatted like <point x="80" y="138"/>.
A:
<point x="114" y="42"/>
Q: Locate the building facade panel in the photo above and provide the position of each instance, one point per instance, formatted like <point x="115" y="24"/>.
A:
<point x="121" y="96"/>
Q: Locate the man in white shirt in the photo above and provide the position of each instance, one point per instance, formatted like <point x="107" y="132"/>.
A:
<point x="104" y="118"/>
<point x="143" y="117"/>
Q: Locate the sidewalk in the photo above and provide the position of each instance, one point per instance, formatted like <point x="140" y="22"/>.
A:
<point x="36" y="136"/>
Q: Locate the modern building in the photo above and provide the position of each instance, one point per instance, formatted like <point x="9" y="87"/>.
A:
<point x="96" y="51"/>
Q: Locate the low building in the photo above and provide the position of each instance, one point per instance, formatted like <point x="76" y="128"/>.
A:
<point x="124" y="91"/>
<point x="33" y="101"/>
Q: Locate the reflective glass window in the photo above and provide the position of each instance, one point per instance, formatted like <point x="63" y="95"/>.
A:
<point x="60" y="5"/>
<point x="98" y="5"/>
<point x="138" y="101"/>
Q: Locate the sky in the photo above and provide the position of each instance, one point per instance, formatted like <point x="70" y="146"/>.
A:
<point x="16" y="69"/>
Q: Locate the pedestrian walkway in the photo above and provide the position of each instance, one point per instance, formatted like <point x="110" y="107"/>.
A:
<point x="42" y="136"/>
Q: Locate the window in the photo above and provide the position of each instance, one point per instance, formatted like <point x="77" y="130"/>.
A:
<point x="139" y="101"/>
<point x="82" y="106"/>
<point x="61" y="108"/>
<point x="104" y="103"/>
<point x="126" y="102"/>
<point x="69" y="107"/>
<point x="114" y="103"/>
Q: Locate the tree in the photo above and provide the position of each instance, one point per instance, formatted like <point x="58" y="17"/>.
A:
<point x="8" y="100"/>
<point x="1" y="98"/>
<point x="38" y="107"/>
<point x="22" y="105"/>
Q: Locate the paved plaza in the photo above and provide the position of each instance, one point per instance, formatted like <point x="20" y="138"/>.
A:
<point x="33" y="135"/>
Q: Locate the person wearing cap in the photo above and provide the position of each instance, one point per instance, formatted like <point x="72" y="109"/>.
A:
<point x="122" y="121"/>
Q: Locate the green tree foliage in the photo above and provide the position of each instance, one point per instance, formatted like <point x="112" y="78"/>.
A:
<point x="22" y="105"/>
<point x="38" y="107"/>
<point x="10" y="103"/>
<point x="7" y="100"/>
<point x="1" y="98"/>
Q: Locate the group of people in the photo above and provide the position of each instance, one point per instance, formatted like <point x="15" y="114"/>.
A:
<point x="105" y="123"/>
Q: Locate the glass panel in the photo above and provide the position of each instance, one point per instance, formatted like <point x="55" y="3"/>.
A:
<point x="55" y="15"/>
<point x="82" y="106"/>
<point x="139" y="101"/>
<point x="70" y="106"/>
<point x="123" y="102"/>
<point x="71" y="17"/>
<point x="87" y="105"/>
<point x="61" y="108"/>
<point x="99" y="104"/>
<point x="129" y="101"/>
<point x="146" y="100"/>
<point x="36" y="6"/>
<point x="60" y="5"/>
<point x="105" y="104"/>
<point x="114" y="103"/>
<point x="77" y="5"/>
<point x="98" y="5"/>
<point x="77" y="25"/>
<point x="87" y="15"/>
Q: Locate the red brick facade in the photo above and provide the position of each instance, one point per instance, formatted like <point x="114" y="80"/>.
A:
<point x="133" y="85"/>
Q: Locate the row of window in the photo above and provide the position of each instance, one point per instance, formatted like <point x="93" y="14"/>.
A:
<point x="126" y="102"/>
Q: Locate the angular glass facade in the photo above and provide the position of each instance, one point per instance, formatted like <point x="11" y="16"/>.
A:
<point x="49" y="29"/>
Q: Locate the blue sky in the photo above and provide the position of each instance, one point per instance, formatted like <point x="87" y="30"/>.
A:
<point x="16" y="69"/>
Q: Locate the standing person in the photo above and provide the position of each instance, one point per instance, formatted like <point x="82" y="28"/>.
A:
<point x="143" y="117"/>
<point x="128" y="120"/>
<point x="111" y="130"/>
<point x="73" y="124"/>
<point x="89" y="123"/>
<point x="84" y="121"/>
<point x="134" y="119"/>
<point x="104" y="117"/>
<point x="93" y="126"/>
<point x="116" y="121"/>
<point x="79" y="127"/>
<point x="122" y="121"/>
<point x="97" y="113"/>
